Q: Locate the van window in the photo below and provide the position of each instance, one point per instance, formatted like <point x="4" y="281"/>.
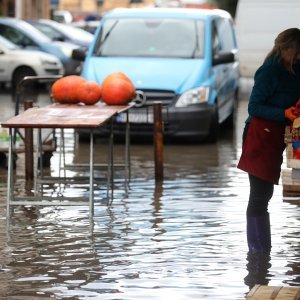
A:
<point x="226" y="34"/>
<point x="216" y="43"/>
<point x="151" y="38"/>
<point x="223" y="38"/>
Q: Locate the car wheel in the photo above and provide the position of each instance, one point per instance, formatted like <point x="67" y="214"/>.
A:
<point x="214" y="129"/>
<point x="19" y="74"/>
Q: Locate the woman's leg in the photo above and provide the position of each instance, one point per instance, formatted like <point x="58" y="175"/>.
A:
<point x="261" y="192"/>
<point x="258" y="222"/>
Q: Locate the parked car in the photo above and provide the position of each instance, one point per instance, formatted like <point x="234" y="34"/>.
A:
<point x="62" y="16"/>
<point x="63" y="32"/>
<point x="17" y="63"/>
<point x="185" y="58"/>
<point x="89" y="26"/>
<point x="27" y="37"/>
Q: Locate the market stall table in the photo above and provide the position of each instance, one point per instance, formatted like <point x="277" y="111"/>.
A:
<point x="59" y="116"/>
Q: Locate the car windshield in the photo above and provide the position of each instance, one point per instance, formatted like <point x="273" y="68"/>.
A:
<point x="151" y="38"/>
<point x="54" y="31"/>
<point x="34" y="33"/>
<point x="73" y="32"/>
<point x="7" y="44"/>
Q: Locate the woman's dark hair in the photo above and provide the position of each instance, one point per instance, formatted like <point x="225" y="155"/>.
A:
<point x="288" y="39"/>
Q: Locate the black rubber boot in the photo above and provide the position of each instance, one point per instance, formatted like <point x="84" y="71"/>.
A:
<point x="259" y="234"/>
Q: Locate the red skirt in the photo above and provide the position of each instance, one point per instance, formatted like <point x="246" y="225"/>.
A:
<point x="262" y="150"/>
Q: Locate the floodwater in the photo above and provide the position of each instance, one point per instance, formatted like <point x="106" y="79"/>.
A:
<point x="181" y="239"/>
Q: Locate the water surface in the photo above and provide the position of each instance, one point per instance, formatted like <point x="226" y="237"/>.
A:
<point x="181" y="239"/>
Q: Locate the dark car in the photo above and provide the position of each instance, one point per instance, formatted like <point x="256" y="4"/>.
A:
<point x="63" y="32"/>
<point x="28" y="37"/>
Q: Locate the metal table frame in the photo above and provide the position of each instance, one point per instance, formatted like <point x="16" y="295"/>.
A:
<point x="38" y="199"/>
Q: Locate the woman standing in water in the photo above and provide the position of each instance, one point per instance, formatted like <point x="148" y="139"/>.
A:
<point x="276" y="90"/>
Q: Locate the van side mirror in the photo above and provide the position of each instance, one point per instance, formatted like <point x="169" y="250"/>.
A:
<point x="78" y="54"/>
<point x="223" y="58"/>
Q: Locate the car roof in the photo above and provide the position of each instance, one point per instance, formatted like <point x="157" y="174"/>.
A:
<point x="25" y="27"/>
<point x="168" y="12"/>
<point x="66" y="29"/>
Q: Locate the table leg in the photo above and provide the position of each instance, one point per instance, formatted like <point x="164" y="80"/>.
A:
<point x="127" y="149"/>
<point x="110" y="171"/>
<point x="10" y="184"/>
<point x="63" y="150"/>
<point x="62" y="153"/>
<point x="38" y="162"/>
<point x="40" y="158"/>
<point x="91" y="198"/>
<point x="61" y="160"/>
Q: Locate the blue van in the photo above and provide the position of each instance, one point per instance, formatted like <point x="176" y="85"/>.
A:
<point x="185" y="58"/>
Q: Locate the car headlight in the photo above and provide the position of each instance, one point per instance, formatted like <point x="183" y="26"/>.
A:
<point x="194" y="96"/>
<point x="47" y="62"/>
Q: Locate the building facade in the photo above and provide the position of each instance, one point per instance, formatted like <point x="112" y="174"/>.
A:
<point x="34" y="9"/>
<point x="98" y="6"/>
<point x="25" y="9"/>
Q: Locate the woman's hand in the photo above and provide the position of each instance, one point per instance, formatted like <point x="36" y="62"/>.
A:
<point x="289" y="113"/>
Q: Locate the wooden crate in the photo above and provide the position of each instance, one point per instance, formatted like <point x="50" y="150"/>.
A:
<point x="290" y="176"/>
<point x="290" y="162"/>
<point x="262" y="292"/>
<point x="289" y="183"/>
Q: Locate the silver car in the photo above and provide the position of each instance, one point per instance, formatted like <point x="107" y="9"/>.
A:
<point x="17" y="63"/>
<point x="27" y="37"/>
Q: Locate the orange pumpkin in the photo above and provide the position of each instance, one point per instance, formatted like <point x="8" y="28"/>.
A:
<point x="66" y="89"/>
<point x="89" y="92"/>
<point x="118" y="74"/>
<point x="117" y="89"/>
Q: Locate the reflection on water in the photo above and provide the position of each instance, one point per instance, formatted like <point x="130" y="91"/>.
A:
<point x="181" y="239"/>
<point x="258" y="266"/>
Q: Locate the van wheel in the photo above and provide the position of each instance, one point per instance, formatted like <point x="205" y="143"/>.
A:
<point x="214" y="129"/>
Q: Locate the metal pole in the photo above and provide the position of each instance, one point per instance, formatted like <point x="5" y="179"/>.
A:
<point x="29" y="173"/>
<point x="110" y="175"/>
<point x="91" y="198"/>
<point x="127" y="149"/>
<point x="10" y="180"/>
<point x="40" y="159"/>
<point x="158" y="141"/>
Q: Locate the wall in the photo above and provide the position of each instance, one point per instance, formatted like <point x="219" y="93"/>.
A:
<point x="7" y="8"/>
<point x="28" y="9"/>
<point x="34" y="9"/>
<point x="90" y="6"/>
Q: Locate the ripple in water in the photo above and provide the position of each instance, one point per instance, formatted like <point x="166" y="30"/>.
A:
<point x="181" y="239"/>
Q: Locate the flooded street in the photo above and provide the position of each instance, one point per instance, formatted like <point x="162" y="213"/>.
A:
<point x="181" y="239"/>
